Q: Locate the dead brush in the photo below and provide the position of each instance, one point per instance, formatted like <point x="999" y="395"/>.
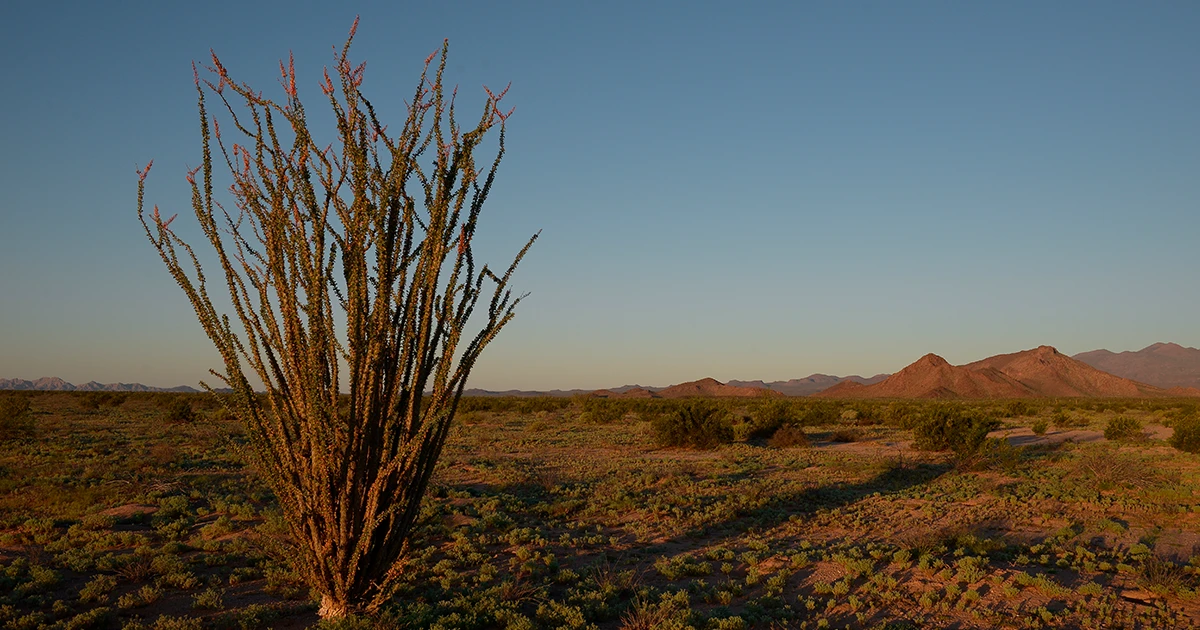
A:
<point x="608" y="578"/>
<point x="1164" y="576"/>
<point x="1108" y="469"/>
<point x="136" y="569"/>
<point x="547" y="478"/>
<point x="643" y="614"/>
<point x="789" y="437"/>
<point x="517" y="591"/>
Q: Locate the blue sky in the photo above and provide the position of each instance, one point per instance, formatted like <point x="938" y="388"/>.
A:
<point x="756" y="190"/>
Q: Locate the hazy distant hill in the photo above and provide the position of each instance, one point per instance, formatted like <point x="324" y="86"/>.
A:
<point x="474" y="391"/>
<point x="810" y="384"/>
<point x="1042" y="371"/>
<point x="53" y="383"/>
<point x="1163" y="365"/>
<point x="703" y="388"/>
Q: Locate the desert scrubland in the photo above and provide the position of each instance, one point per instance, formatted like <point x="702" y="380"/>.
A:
<point x="135" y="511"/>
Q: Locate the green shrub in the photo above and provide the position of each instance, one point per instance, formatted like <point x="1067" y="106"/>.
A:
<point x="695" y="424"/>
<point x="97" y="590"/>
<point x="903" y="415"/>
<point x="16" y="418"/>
<point x="1187" y="434"/>
<point x="211" y="598"/>
<point x="1123" y="428"/>
<point x="95" y="618"/>
<point x="742" y="429"/>
<point x="769" y="417"/>
<point x="991" y="454"/>
<point x="1063" y="420"/>
<point x="952" y="428"/>
<point x="1040" y="426"/>
<point x="167" y="622"/>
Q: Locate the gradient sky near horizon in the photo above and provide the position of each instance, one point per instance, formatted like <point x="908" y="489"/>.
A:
<point x="737" y="190"/>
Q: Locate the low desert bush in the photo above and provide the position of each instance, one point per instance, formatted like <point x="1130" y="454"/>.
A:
<point x="602" y="410"/>
<point x="846" y="434"/>
<point x="818" y="413"/>
<point x="991" y="454"/>
<point x="951" y="428"/>
<point x="695" y="424"/>
<point x="1180" y="412"/>
<point x="178" y="409"/>
<point x="1040" y="426"/>
<point x="903" y="415"/>
<point x="1187" y="434"/>
<point x="1108" y="468"/>
<point x="788" y="437"/>
<point x="866" y="414"/>
<point x="1064" y="420"/>
<point x="16" y="417"/>
<point x="1123" y="428"/>
<point x="1019" y="408"/>
<point x="769" y="417"/>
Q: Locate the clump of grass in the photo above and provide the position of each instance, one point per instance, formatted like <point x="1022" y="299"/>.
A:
<point x="697" y="424"/>
<point x="1123" y="428"/>
<point x="1039" y="427"/>
<point x="1163" y="576"/>
<point x="788" y="437"/>
<point x="1187" y="434"/>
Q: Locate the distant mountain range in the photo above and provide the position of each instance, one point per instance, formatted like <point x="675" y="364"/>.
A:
<point x="809" y="385"/>
<point x="794" y="387"/>
<point x="1040" y="372"/>
<point x="55" y="384"/>
<point x="703" y="388"/>
<point x="1162" y="364"/>
<point x="1161" y="369"/>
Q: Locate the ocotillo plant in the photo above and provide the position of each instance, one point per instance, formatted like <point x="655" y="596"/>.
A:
<point x="348" y="270"/>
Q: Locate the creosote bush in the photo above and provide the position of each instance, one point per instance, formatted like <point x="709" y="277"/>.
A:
<point x="349" y="267"/>
<point x="769" y="417"/>
<point x="16" y="417"/>
<point x="1187" y="434"/>
<point x="952" y="428"/>
<point x="602" y="410"/>
<point x="1019" y="408"/>
<point x="694" y="424"/>
<point x="179" y="409"/>
<point x="1123" y="428"/>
